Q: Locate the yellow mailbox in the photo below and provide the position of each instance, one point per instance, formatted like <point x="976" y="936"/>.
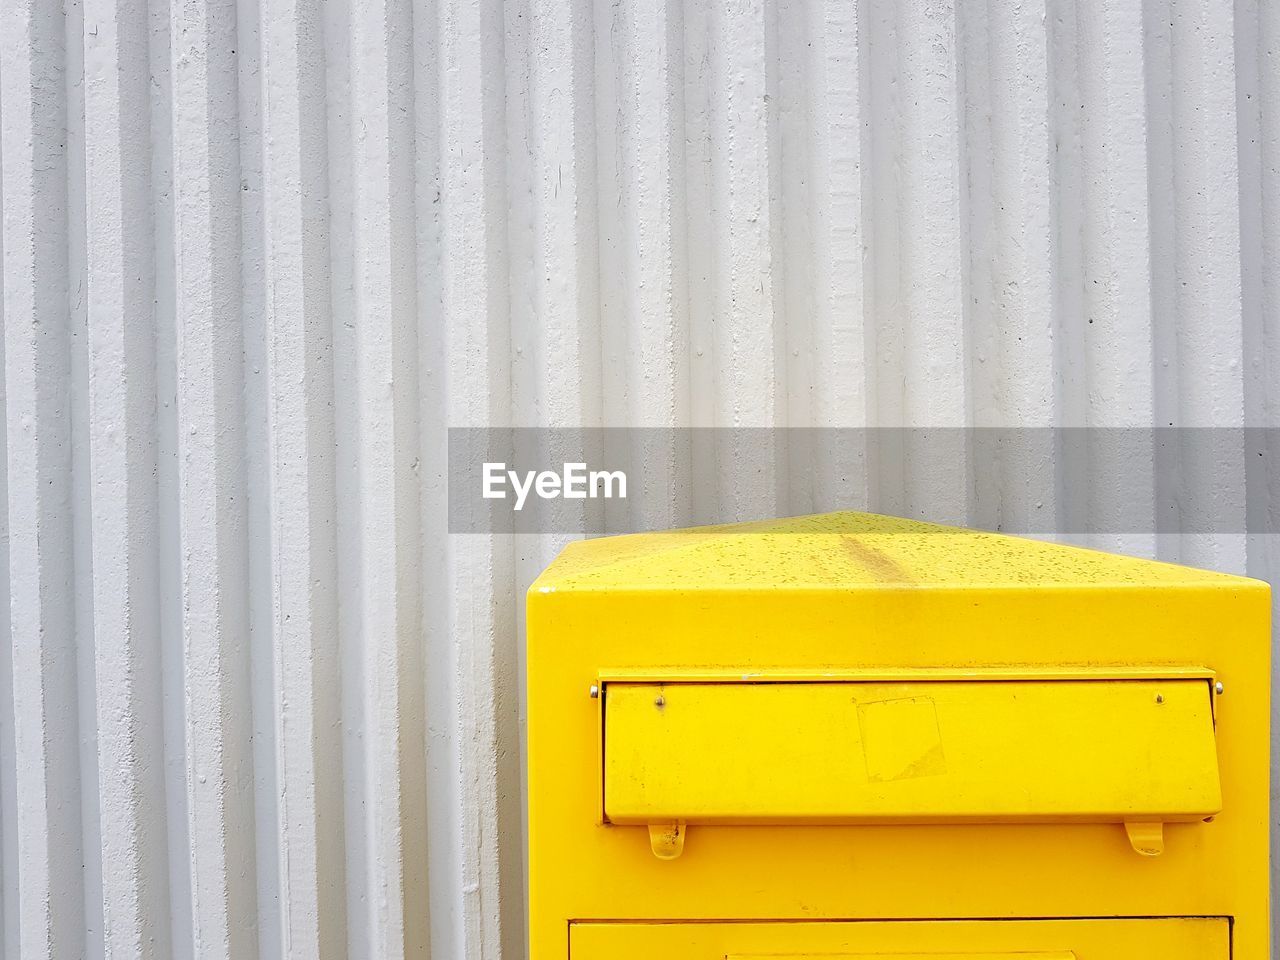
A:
<point x="852" y="737"/>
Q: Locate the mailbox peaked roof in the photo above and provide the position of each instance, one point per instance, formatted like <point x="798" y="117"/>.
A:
<point x="846" y="550"/>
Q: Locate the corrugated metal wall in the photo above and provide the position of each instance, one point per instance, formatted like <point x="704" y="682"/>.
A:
<point x="254" y="700"/>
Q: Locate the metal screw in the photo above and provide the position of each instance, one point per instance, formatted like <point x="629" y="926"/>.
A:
<point x="1159" y="698"/>
<point x="595" y="691"/>
<point x="661" y="701"/>
<point x="1218" y="688"/>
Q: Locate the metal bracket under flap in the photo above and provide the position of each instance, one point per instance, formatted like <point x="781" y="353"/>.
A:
<point x="667" y="839"/>
<point x="1146" y="837"/>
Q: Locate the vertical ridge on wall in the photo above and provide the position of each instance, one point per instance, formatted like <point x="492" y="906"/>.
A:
<point x="214" y="550"/>
<point x="1197" y="266"/>
<point x="932" y="285"/>
<point x="1012" y="260"/>
<point x="433" y="803"/>
<point x="307" y="796"/>
<point x="123" y="493"/>
<point x="1258" y="99"/>
<point x="339" y="187"/>
<point x="1258" y="103"/>
<point x="1262" y="348"/>
<point x="385" y="922"/>
<point x="48" y="886"/>
<point x="1108" y="322"/>
<point x="821" y="52"/>
<point x="562" y="350"/>
<point x="168" y="538"/>
<point x="8" y="765"/>
<point x="81" y="531"/>
<point x="256" y="476"/>
<point x="917" y="253"/>
<point x="556" y="378"/>
<point x="1257" y="85"/>
<point x="882" y="304"/>
<point x="838" y="360"/>
<point x="643" y="291"/>
<point x="475" y="634"/>
<point x="699" y="149"/>
<point x="746" y="337"/>
<point x="1011" y="249"/>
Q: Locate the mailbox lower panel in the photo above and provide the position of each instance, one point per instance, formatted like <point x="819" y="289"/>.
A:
<point x="1173" y="938"/>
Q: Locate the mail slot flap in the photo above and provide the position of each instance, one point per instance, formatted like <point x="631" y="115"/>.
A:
<point x="832" y="752"/>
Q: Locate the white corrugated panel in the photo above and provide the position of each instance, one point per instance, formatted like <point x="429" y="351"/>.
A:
<point x="255" y="701"/>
